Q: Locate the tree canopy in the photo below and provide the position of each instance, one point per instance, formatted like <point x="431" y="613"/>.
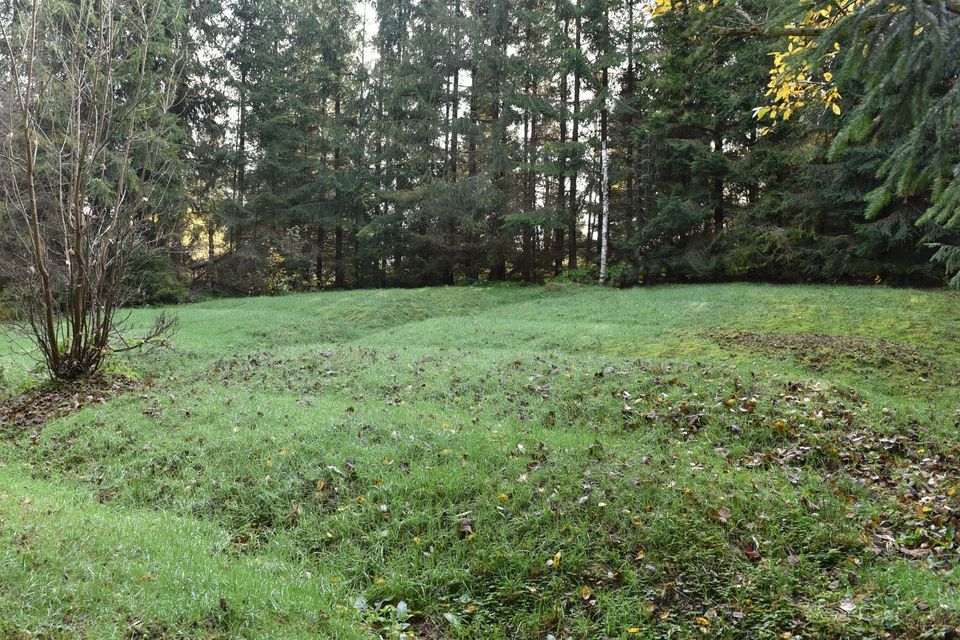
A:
<point x="417" y="142"/>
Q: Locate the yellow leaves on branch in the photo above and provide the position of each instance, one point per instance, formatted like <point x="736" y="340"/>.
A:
<point x="661" y="7"/>
<point x="797" y="80"/>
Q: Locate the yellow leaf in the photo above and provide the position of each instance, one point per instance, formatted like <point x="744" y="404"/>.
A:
<point x="828" y="76"/>
<point x="918" y="30"/>
<point x="585" y="593"/>
<point x="836" y="108"/>
<point x="633" y="630"/>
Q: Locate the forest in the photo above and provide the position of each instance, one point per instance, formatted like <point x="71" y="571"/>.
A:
<point x="305" y="145"/>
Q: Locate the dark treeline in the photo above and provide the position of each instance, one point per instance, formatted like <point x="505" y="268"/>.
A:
<point x="421" y="142"/>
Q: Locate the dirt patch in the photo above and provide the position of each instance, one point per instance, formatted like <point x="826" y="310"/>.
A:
<point x="425" y="629"/>
<point x="39" y="406"/>
<point x="819" y="350"/>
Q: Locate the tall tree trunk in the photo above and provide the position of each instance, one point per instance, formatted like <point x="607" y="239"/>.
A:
<point x="498" y="267"/>
<point x="529" y="142"/>
<point x="211" y="253"/>
<point x="588" y="242"/>
<point x="572" y="213"/>
<point x="605" y="206"/>
<point x="241" y="179"/>
<point x="339" y="279"/>
<point x="455" y="136"/>
<point x="604" y="161"/>
<point x="718" y="208"/>
<point x="381" y="183"/>
<point x="447" y="115"/>
<point x="474" y="122"/>
<point x="561" y="178"/>
<point x="321" y="239"/>
<point x="473" y="262"/>
<point x="633" y="198"/>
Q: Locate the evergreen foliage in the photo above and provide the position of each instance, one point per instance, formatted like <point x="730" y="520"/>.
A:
<point x="420" y="142"/>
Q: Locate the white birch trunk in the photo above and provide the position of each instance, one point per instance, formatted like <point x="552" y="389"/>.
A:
<point x="605" y="205"/>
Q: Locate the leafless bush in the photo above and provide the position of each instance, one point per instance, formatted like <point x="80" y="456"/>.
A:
<point x="86" y="166"/>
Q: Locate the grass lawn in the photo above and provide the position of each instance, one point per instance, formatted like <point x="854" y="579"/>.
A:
<point x="738" y="461"/>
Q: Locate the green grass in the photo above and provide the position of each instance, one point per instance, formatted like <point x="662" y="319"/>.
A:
<point x="301" y="466"/>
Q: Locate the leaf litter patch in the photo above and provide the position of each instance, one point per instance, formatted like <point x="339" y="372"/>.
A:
<point x="911" y="476"/>
<point x="819" y="350"/>
<point x="35" y="408"/>
<point x="917" y="478"/>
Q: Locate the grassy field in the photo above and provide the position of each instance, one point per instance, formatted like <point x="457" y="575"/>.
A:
<point x="739" y="461"/>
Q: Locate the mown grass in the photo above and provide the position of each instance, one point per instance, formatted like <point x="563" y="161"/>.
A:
<point x="501" y="463"/>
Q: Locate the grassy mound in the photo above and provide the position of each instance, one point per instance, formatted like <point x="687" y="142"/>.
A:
<point x="503" y="463"/>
